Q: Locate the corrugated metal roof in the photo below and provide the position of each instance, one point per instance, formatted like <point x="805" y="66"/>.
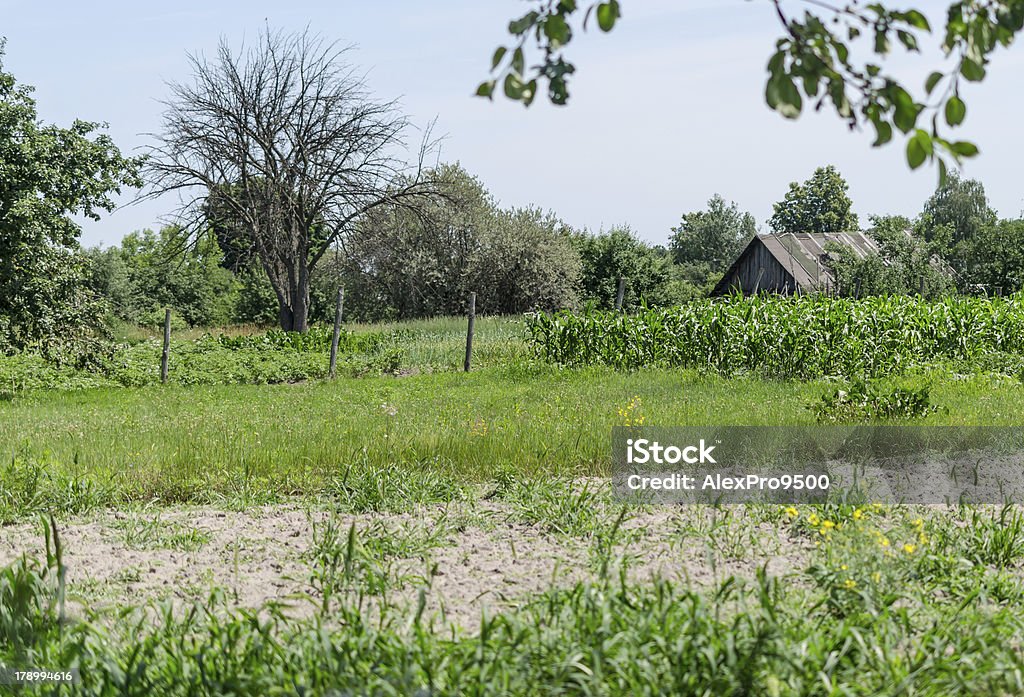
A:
<point x="804" y="256"/>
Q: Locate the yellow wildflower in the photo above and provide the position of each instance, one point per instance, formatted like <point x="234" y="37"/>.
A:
<point x="858" y="514"/>
<point x="792" y="512"/>
<point x="850" y="584"/>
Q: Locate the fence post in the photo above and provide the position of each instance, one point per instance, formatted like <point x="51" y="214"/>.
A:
<point x="469" y="332"/>
<point x="621" y="294"/>
<point x="337" y="332"/>
<point x="167" y="346"/>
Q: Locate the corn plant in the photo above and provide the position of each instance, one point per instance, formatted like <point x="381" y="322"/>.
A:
<point x="787" y="337"/>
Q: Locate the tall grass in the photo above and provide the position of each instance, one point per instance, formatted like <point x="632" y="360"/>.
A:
<point x="787" y="337"/>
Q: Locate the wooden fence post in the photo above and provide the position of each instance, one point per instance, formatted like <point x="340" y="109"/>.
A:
<point x="337" y="332"/>
<point x="621" y="294"/>
<point x="167" y="346"/>
<point x="469" y="332"/>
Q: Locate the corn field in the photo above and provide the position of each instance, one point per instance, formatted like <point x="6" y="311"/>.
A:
<point x="787" y="337"/>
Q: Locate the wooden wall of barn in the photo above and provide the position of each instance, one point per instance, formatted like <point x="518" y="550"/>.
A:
<point x="744" y="277"/>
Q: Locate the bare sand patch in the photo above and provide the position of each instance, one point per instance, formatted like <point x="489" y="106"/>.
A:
<point x="468" y="558"/>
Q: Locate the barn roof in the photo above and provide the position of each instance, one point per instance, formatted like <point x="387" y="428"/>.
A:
<point x="802" y="254"/>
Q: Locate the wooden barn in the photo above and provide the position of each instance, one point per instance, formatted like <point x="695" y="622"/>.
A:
<point x="789" y="263"/>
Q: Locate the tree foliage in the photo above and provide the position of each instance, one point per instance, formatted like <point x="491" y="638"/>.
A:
<point x="831" y="55"/>
<point x="407" y="263"/>
<point x="650" y="276"/>
<point x="151" y="271"/>
<point x="958" y="209"/>
<point x="47" y="175"/>
<point x="994" y="258"/>
<point x="706" y="242"/>
<point x="905" y="264"/>
<point x="819" y="204"/>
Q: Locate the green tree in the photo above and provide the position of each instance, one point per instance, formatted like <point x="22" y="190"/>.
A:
<point x="960" y="206"/>
<point x="994" y="257"/>
<point x="958" y="220"/>
<point x="47" y="175"/>
<point x="404" y="263"/>
<point x="619" y="253"/>
<point x="706" y="242"/>
<point x="834" y="54"/>
<point x="166" y="269"/>
<point x="905" y="264"/>
<point x="820" y="204"/>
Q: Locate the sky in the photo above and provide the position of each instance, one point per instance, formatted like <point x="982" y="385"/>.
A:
<point x="666" y="110"/>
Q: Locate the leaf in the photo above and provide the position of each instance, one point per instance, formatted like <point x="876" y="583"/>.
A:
<point x="523" y="24"/>
<point x="956" y="110"/>
<point x="607" y="13"/>
<point x="932" y="81"/>
<point x="925" y="139"/>
<point x="915" y="153"/>
<point x="557" y="30"/>
<point x="528" y="92"/>
<point x="771" y="93"/>
<point x="882" y="46"/>
<point x="518" y="61"/>
<point x="498" y="55"/>
<point x="906" y="111"/>
<point x="486" y="89"/>
<point x="790" y="102"/>
<point x="916" y="20"/>
<point x="513" y="87"/>
<point x="972" y="70"/>
<point x="964" y="149"/>
<point x="907" y="39"/>
<point x="884" y="131"/>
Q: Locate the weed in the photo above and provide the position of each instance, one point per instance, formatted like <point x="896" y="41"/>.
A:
<point x="863" y="401"/>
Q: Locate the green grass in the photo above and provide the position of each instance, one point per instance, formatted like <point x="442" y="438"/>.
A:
<point x="385" y="442"/>
<point x="891" y="600"/>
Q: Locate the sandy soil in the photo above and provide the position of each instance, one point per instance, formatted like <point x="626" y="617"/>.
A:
<point x="478" y="557"/>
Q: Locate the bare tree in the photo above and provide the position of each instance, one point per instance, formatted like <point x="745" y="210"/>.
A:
<point x="284" y="142"/>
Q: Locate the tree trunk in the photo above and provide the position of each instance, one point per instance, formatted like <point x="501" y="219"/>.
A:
<point x="293" y="305"/>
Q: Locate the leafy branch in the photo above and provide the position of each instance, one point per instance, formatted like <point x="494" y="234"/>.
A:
<point x="812" y="62"/>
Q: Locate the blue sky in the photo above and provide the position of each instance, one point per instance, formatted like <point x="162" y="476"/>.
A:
<point x="666" y="111"/>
